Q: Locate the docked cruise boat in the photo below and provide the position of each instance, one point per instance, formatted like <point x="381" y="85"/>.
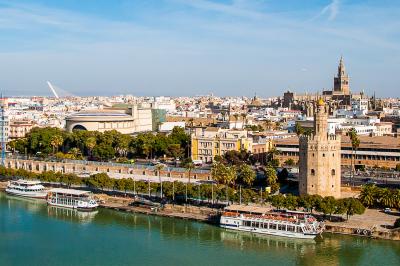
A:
<point x="72" y="198"/>
<point x="287" y="224"/>
<point x="26" y="188"/>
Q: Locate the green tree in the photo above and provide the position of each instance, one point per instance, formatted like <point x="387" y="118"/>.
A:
<point x="278" y="201"/>
<point x="121" y="184"/>
<point x="271" y="157"/>
<point x="246" y="174"/>
<point x="100" y="180"/>
<point x="224" y="174"/>
<point x="236" y="116"/>
<point x="244" y="118"/>
<point x="272" y="178"/>
<point x="368" y="195"/>
<point x="56" y="142"/>
<point x="289" y="162"/>
<point x="158" y="168"/>
<point x="328" y="205"/>
<point x="175" y="150"/>
<point x="350" y="206"/>
<point x="387" y="198"/>
<point x="179" y="136"/>
<point x="122" y="144"/>
<point x="104" y="151"/>
<point x="90" y="143"/>
<point x="291" y="202"/>
<point x="299" y="129"/>
<point x="39" y="140"/>
<point x="233" y="157"/>
<point x="189" y="166"/>
<point x="75" y="153"/>
<point x="70" y="179"/>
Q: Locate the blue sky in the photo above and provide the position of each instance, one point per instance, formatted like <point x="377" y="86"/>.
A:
<point x="195" y="47"/>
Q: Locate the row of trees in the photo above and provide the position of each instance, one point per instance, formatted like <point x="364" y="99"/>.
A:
<point x="373" y="196"/>
<point x="178" y="191"/>
<point x="242" y="175"/>
<point x="327" y="205"/>
<point x="102" y="146"/>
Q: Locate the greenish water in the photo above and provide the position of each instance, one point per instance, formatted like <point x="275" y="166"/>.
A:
<point x="31" y="233"/>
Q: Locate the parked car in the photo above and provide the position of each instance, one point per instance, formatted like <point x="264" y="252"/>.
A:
<point x="387" y="210"/>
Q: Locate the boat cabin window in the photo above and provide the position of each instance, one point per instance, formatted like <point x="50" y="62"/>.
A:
<point x="247" y="223"/>
<point x="281" y="227"/>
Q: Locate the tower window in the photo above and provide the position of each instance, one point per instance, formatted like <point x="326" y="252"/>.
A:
<point x="323" y="155"/>
<point x="333" y="172"/>
<point x="312" y="172"/>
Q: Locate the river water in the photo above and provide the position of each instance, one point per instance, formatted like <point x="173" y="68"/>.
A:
<point x="32" y="233"/>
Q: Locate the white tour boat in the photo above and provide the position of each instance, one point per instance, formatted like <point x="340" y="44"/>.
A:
<point x="288" y="224"/>
<point x="26" y="188"/>
<point x="72" y="198"/>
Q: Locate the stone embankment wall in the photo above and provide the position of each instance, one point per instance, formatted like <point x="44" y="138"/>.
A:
<point x="393" y="234"/>
<point x="87" y="166"/>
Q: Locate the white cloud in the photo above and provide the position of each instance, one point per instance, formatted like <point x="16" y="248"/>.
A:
<point x="332" y="10"/>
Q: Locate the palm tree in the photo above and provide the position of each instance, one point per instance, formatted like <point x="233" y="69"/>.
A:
<point x="223" y="113"/>
<point x="90" y="143"/>
<point x="271" y="154"/>
<point x="368" y="195"/>
<point x="75" y="152"/>
<point x="355" y="143"/>
<point x="387" y="198"/>
<point x="56" y="141"/>
<point x="159" y="167"/>
<point x="224" y="174"/>
<point x="244" y="119"/>
<point x="189" y="167"/>
<point x="236" y="116"/>
<point x="268" y="124"/>
<point x="396" y="196"/>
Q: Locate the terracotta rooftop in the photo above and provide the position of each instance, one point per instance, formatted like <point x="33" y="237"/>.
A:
<point x="365" y="142"/>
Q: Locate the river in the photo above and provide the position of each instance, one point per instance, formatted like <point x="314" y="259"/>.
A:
<point x="32" y="233"/>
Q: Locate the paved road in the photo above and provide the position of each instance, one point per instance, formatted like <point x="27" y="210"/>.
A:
<point x="151" y="178"/>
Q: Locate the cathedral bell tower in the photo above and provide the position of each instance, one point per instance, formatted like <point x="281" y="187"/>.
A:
<point x="341" y="81"/>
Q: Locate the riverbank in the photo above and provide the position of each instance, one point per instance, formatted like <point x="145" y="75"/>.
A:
<point x="188" y="212"/>
<point x="373" y="223"/>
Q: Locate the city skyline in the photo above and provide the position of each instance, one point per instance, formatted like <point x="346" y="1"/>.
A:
<point x="178" y="47"/>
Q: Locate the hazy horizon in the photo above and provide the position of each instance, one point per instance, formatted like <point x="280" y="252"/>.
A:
<point x="189" y="47"/>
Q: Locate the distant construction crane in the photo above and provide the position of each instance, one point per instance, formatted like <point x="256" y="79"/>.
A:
<point x="53" y="90"/>
<point x="3" y="129"/>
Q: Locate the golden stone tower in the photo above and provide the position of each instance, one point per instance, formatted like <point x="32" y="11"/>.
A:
<point x="319" y="158"/>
